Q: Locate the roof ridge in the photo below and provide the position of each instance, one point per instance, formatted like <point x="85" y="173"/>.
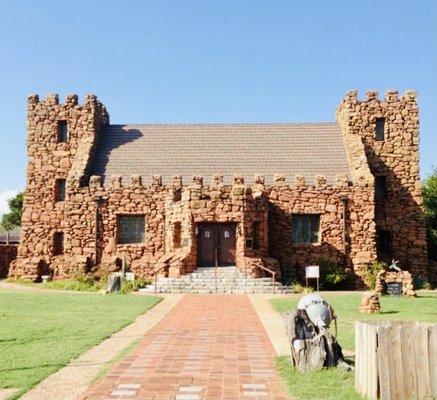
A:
<point x="333" y="123"/>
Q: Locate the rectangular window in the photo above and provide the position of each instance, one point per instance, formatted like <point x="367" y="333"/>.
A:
<point x="379" y="129"/>
<point x="177" y="194"/>
<point x="62" y="132"/>
<point x="58" y="243"/>
<point x="131" y="229"/>
<point x="255" y="235"/>
<point x="60" y="189"/>
<point x="305" y="228"/>
<point x="177" y="232"/>
<point x="381" y="187"/>
<point x="383" y="244"/>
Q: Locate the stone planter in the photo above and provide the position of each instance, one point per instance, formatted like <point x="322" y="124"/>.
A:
<point x="404" y="277"/>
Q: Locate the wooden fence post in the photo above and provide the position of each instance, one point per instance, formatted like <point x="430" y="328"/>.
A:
<point x="396" y="360"/>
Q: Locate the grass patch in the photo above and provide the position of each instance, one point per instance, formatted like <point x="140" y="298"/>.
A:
<point x="81" y="283"/>
<point x="84" y="283"/>
<point x="72" y="284"/>
<point x="334" y="383"/>
<point x="42" y="332"/>
<point x="326" y="384"/>
<point x="422" y="308"/>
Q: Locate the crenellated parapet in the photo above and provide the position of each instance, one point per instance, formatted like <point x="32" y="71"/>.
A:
<point x="200" y="186"/>
<point x="214" y="188"/>
<point x="90" y="103"/>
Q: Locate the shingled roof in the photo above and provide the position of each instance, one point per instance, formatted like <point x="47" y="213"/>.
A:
<point x="228" y="149"/>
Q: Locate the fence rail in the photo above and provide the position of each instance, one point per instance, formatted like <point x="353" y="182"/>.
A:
<point x="396" y="360"/>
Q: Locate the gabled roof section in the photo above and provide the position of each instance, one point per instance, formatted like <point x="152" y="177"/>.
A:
<point x="207" y="149"/>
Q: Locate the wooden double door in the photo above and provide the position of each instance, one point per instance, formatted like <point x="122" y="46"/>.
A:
<point x="216" y="244"/>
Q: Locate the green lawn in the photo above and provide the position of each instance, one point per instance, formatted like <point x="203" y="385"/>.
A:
<point x="42" y="332"/>
<point x="327" y="384"/>
<point x="335" y="384"/>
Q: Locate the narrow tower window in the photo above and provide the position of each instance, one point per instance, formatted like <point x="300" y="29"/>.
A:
<point x="60" y="189"/>
<point x="62" y="132"/>
<point x="379" y="129"/>
<point x="58" y="244"/>
<point x="381" y="187"/>
<point x="384" y="244"/>
<point x="177" y="235"/>
<point x="256" y="235"/>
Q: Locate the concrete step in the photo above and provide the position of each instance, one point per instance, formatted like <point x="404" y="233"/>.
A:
<point x="220" y="280"/>
<point x="219" y="290"/>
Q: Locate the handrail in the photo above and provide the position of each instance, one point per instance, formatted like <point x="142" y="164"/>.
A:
<point x="155" y="273"/>
<point x="271" y="272"/>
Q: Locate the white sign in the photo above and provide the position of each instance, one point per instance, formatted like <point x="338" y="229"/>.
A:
<point x="130" y="276"/>
<point x="312" y="271"/>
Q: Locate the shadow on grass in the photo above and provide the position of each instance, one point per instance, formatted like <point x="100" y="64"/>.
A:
<point x="389" y="312"/>
<point x="324" y="384"/>
<point x="74" y="337"/>
<point x="350" y="360"/>
<point x="84" y="364"/>
<point x="32" y="367"/>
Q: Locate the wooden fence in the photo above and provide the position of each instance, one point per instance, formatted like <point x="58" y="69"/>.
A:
<point x="396" y="360"/>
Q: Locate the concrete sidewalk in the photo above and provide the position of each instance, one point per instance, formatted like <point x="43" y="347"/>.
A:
<point x="272" y="321"/>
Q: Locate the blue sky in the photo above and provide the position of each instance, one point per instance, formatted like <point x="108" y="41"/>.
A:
<point x="213" y="61"/>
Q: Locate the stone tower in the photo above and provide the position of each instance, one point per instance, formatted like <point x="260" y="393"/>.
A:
<point x="389" y="129"/>
<point x="60" y="140"/>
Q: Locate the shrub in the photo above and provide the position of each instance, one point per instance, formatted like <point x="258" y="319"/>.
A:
<point x="287" y="275"/>
<point x="80" y="282"/>
<point x="332" y="275"/>
<point x="429" y="190"/>
<point x="130" y="286"/>
<point x="372" y="273"/>
<point x="421" y="283"/>
<point x="298" y="288"/>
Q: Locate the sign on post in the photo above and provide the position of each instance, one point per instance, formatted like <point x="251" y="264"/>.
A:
<point x="312" y="272"/>
<point x="394" y="289"/>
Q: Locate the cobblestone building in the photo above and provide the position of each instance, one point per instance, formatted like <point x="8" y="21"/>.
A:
<point x="174" y="197"/>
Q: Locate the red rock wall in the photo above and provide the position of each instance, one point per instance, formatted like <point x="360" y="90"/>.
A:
<point x="397" y="157"/>
<point x="88" y="216"/>
<point x="359" y="238"/>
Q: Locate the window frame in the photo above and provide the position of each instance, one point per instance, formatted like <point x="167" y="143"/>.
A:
<point x="380" y="129"/>
<point x="62" y="135"/>
<point x="384" y="243"/>
<point x="58" y="243"/>
<point x="177" y="235"/>
<point x="58" y="182"/>
<point x="256" y="237"/>
<point x="120" y="235"/>
<point x="313" y="221"/>
<point x="381" y="192"/>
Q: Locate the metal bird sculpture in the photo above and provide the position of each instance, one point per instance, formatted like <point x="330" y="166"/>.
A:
<point x="394" y="266"/>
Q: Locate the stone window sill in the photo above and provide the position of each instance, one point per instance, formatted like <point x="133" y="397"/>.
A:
<point x="304" y="245"/>
<point x="123" y="245"/>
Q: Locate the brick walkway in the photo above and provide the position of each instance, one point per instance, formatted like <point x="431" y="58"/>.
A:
<point x="206" y="347"/>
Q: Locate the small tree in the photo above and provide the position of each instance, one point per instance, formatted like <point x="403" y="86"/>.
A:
<point x="430" y="202"/>
<point x="12" y="219"/>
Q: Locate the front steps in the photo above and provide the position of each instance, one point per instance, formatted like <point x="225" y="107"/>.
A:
<point x="229" y="280"/>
